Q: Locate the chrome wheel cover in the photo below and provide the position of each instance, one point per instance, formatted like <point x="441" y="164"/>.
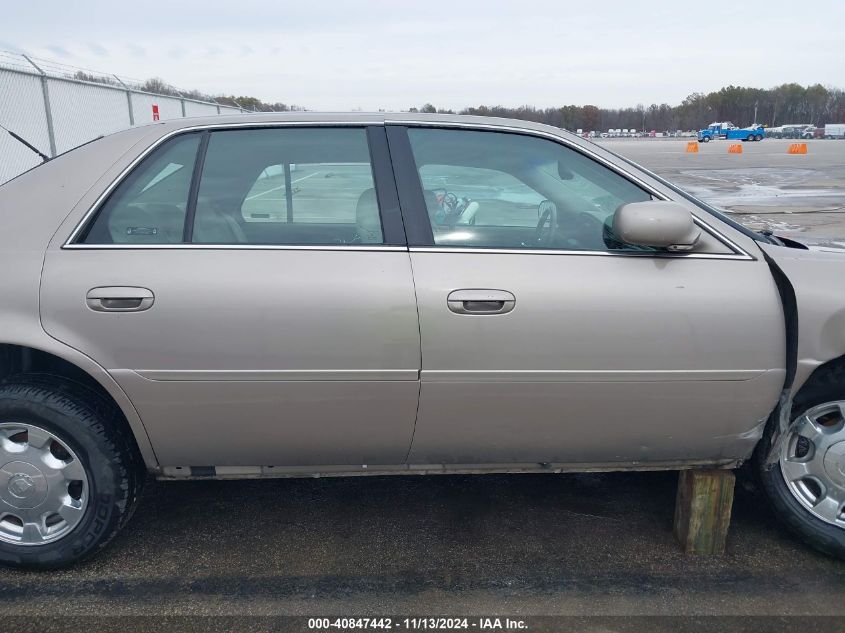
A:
<point x="812" y="461"/>
<point x="43" y="486"/>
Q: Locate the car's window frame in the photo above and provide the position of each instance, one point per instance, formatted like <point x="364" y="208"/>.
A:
<point x="420" y="233"/>
<point x="387" y="196"/>
<point x="83" y="231"/>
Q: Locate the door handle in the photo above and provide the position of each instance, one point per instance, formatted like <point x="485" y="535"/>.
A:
<point x="119" y="299"/>
<point x="480" y="301"/>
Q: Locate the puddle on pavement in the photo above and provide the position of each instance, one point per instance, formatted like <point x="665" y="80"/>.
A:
<point x="763" y="187"/>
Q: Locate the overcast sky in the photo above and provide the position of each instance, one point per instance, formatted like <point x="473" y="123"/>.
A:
<point x="371" y="54"/>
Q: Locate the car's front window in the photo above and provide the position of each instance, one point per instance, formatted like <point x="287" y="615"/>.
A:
<point x="503" y="190"/>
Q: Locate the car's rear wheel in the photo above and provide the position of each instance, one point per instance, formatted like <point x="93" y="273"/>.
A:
<point x="805" y="479"/>
<point x="758" y="137"/>
<point x="69" y="478"/>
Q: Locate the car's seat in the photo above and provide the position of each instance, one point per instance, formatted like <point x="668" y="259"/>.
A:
<point x="213" y="225"/>
<point x="367" y="219"/>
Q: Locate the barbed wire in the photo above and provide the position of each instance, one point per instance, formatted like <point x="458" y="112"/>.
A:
<point x="58" y="70"/>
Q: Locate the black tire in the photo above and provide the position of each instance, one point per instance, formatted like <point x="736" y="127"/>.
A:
<point x="825" y="537"/>
<point x="758" y="137"/>
<point x="94" y="429"/>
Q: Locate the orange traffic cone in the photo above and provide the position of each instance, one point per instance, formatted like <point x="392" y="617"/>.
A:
<point x="692" y="147"/>
<point x="735" y="149"/>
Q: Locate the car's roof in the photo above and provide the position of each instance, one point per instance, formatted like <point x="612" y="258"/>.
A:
<point x="354" y="117"/>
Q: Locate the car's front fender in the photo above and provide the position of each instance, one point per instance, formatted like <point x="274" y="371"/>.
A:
<point x="817" y="277"/>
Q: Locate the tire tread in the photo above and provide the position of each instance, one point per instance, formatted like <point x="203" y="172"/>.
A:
<point x="104" y="423"/>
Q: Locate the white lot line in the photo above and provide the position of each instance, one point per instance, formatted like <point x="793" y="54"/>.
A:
<point x="258" y="195"/>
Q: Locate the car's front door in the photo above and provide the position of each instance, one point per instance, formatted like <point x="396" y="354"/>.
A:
<point x="242" y="287"/>
<point x="545" y="339"/>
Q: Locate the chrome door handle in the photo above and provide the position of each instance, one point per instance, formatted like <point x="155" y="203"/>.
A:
<point x="480" y="301"/>
<point x="119" y="299"/>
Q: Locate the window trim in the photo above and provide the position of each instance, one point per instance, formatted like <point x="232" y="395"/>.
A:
<point x="393" y="232"/>
<point x="421" y="238"/>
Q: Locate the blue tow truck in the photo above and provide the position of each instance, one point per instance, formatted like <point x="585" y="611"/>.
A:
<point x="728" y="130"/>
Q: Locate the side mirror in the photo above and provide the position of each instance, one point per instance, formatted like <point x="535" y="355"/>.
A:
<point x="656" y="223"/>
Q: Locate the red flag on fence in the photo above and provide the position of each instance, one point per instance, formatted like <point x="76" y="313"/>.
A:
<point x="155" y="112"/>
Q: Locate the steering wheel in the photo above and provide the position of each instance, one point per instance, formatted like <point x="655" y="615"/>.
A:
<point x="547" y="224"/>
<point x="587" y="231"/>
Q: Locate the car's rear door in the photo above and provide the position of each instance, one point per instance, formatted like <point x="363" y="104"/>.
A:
<point x="566" y="345"/>
<point x="251" y="290"/>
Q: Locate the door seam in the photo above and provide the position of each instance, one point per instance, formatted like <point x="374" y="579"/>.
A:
<point x="419" y="382"/>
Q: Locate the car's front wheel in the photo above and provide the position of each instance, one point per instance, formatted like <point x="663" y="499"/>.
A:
<point x="803" y="473"/>
<point x="69" y="477"/>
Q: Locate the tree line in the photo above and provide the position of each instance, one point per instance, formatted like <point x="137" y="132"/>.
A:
<point x="787" y="103"/>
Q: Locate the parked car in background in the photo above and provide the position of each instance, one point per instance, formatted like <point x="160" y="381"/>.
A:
<point x="429" y="294"/>
<point x="794" y="131"/>
<point x="834" y="130"/>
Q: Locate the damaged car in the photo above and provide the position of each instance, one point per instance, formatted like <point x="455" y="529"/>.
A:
<point x="290" y="295"/>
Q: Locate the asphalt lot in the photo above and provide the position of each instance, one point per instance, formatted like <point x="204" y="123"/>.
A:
<point x="521" y="544"/>
<point x="764" y="187"/>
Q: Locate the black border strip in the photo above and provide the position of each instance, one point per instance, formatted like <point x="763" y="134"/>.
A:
<point x="193" y="192"/>
<point x="392" y="225"/>
<point x="411" y="198"/>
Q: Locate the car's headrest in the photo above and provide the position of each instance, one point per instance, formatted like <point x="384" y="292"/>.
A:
<point x="215" y="226"/>
<point x="367" y="218"/>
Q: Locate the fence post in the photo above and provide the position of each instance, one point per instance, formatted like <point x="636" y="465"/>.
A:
<point x="182" y="101"/>
<point x="128" y="100"/>
<point x="45" y="89"/>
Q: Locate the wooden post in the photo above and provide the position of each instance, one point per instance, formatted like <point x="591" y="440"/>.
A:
<point x="703" y="510"/>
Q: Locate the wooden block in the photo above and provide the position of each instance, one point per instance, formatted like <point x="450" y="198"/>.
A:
<point x="703" y="510"/>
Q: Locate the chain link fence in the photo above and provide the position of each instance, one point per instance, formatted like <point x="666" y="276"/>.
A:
<point x="57" y="107"/>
